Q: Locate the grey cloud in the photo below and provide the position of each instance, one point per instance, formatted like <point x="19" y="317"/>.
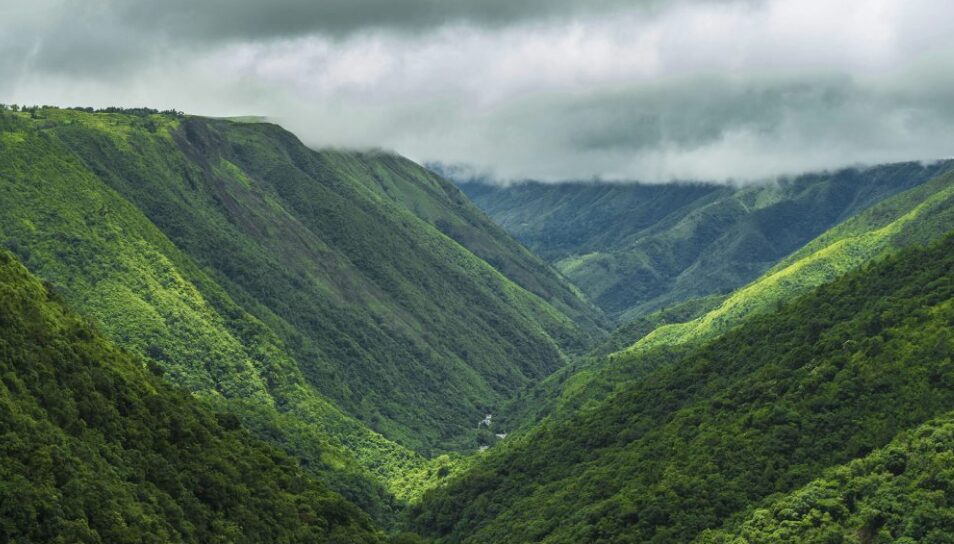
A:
<point x="111" y="37"/>
<point x="697" y="129"/>
<point x="688" y="114"/>
<point x="237" y="19"/>
<point x="543" y="89"/>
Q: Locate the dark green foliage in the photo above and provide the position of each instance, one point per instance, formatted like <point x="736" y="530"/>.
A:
<point x="636" y="248"/>
<point x="588" y="377"/>
<point x="440" y="203"/>
<point x="901" y="493"/>
<point x="296" y="290"/>
<point x="916" y="216"/>
<point x="700" y="441"/>
<point x="138" y="112"/>
<point x="96" y="449"/>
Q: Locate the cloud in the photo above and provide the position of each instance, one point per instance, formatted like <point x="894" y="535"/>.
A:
<point x="254" y="19"/>
<point x="714" y="90"/>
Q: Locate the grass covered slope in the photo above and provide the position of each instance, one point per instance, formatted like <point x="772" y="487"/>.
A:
<point x="361" y="296"/>
<point x="636" y="248"/>
<point x="97" y="449"/>
<point x="702" y="441"/>
<point x="396" y="322"/>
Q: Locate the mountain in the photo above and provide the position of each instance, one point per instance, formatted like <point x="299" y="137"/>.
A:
<point x="636" y="248"/>
<point x="292" y="288"/>
<point x="442" y="204"/>
<point x="918" y="215"/>
<point x="98" y="449"/>
<point x="714" y="437"/>
<point x="292" y="345"/>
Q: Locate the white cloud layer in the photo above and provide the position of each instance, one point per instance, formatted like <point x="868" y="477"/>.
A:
<point x="712" y="90"/>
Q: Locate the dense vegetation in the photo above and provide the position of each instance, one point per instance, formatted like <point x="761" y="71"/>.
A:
<point x="635" y="248"/>
<point x="116" y="266"/>
<point x="396" y="323"/>
<point x="700" y="442"/>
<point x="918" y="215"/>
<point x="334" y="325"/>
<point x="633" y="331"/>
<point x="901" y="493"/>
<point x="95" y="448"/>
<point x="299" y="291"/>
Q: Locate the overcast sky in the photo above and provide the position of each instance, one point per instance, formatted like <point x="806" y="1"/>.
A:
<point x="648" y="90"/>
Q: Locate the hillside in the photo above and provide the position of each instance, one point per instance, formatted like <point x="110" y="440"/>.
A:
<point x="918" y="215"/>
<point x="635" y="248"/>
<point x="705" y="439"/>
<point x="111" y="262"/>
<point x="441" y="203"/>
<point x="282" y="284"/>
<point x="98" y="449"/>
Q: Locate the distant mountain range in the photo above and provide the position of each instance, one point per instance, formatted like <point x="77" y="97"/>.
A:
<point x="634" y="248"/>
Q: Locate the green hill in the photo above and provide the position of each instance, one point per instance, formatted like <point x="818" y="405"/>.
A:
<point x="703" y="440"/>
<point x="918" y="215"/>
<point x="111" y="262"/>
<point x="95" y="448"/>
<point x="635" y="248"/>
<point x="442" y="204"/>
<point x="287" y="286"/>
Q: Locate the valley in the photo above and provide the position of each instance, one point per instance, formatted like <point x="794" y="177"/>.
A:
<point x="476" y="272"/>
<point x="266" y="342"/>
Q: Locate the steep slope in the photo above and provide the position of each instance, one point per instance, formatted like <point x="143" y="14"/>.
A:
<point x="152" y="299"/>
<point x="559" y="220"/>
<point x="636" y="248"/>
<point x="918" y="215"/>
<point x="631" y="332"/>
<point x="443" y="205"/>
<point x="267" y="298"/>
<point x="375" y="307"/>
<point x="97" y="449"/>
<point x="397" y="323"/>
<point x="703" y="440"/>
